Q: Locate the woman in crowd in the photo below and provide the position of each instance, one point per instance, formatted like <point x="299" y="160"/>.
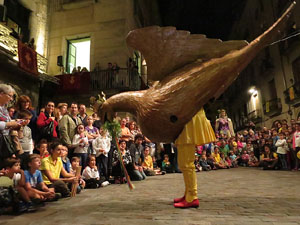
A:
<point x="45" y="121"/>
<point x="24" y="103"/>
<point x="268" y="160"/>
<point x="116" y="164"/>
<point x="6" y="95"/>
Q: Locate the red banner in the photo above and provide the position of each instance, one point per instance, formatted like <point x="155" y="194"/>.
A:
<point x="77" y="83"/>
<point x="27" y="58"/>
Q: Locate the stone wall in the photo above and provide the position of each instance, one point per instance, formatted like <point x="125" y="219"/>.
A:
<point x="106" y="23"/>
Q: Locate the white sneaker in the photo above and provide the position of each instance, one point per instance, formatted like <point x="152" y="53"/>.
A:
<point x="105" y="183"/>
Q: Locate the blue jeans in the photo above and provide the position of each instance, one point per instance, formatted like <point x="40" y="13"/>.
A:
<point x="282" y="159"/>
<point x="137" y="175"/>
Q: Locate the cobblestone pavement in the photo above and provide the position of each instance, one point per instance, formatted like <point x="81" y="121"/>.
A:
<point x="235" y="196"/>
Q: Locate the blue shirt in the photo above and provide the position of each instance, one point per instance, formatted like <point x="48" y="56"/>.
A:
<point x="33" y="179"/>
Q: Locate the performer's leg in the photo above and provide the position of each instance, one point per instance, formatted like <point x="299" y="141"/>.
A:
<point x="186" y="157"/>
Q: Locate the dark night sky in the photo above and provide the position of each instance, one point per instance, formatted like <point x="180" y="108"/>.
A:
<point x="211" y="17"/>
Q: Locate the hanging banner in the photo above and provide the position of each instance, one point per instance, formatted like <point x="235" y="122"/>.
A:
<point x="27" y="58"/>
<point x="267" y="107"/>
<point x="291" y="93"/>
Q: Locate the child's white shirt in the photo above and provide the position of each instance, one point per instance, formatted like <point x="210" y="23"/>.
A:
<point x="27" y="142"/>
<point x="101" y="143"/>
<point x="80" y="147"/>
<point x="282" y="146"/>
<point x="89" y="173"/>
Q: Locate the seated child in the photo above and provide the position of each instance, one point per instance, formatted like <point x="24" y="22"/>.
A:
<point x="35" y="185"/>
<point x="244" y="158"/>
<point x="197" y="163"/>
<point x="13" y="177"/>
<point x="148" y="162"/>
<point x="223" y="161"/>
<point x="253" y="161"/>
<point x="75" y="161"/>
<point x="234" y="159"/>
<point x="166" y="165"/>
<point x="91" y="175"/>
<point x="228" y="160"/>
<point x="203" y="163"/>
<point x="65" y="160"/>
<point x="218" y="162"/>
<point x="210" y="161"/>
<point x="42" y="149"/>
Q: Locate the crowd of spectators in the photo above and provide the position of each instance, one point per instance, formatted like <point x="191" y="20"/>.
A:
<point x="275" y="148"/>
<point x="41" y="152"/>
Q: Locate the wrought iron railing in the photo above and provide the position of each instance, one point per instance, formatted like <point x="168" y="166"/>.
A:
<point x="127" y="79"/>
<point x="292" y="94"/>
<point x="272" y="107"/>
<point x="10" y="44"/>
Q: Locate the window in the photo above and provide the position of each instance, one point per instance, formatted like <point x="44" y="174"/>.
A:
<point x="272" y="89"/>
<point x="78" y="53"/>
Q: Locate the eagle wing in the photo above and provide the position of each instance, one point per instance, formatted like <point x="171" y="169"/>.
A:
<point x="166" y="49"/>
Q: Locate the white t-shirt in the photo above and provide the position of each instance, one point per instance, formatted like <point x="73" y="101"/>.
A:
<point x="89" y="173"/>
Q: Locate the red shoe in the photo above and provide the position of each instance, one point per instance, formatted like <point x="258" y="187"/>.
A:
<point x="176" y="200"/>
<point x="185" y="204"/>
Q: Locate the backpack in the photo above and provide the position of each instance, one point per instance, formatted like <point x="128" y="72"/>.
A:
<point x="9" y="201"/>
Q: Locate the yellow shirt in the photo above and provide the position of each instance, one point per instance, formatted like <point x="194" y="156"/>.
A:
<point x="217" y="157"/>
<point x="148" y="163"/>
<point x="55" y="168"/>
<point x="274" y="156"/>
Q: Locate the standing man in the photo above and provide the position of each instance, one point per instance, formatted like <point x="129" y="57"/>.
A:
<point x="68" y="124"/>
<point x="82" y="114"/>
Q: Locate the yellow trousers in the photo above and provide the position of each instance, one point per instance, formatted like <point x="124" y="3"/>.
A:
<point x="185" y="158"/>
<point x="197" y="131"/>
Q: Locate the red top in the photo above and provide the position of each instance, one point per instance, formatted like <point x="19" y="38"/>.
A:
<point x="43" y="121"/>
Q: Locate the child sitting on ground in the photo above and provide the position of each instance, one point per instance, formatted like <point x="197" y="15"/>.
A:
<point x="245" y="158"/>
<point x="148" y="163"/>
<point x="42" y="149"/>
<point x="234" y="159"/>
<point x="228" y="161"/>
<point x="166" y="165"/>
<point x="203" y="163"/>
<point x="65" y="160"/>
<point x="13" y="177"/>
<point x="253" y="161"/>
<point x="35" y="185"/>
<point x="75" y="161"/>
<point x="91" y="175"/>
<point x="198" y="168"/>
<point x="223" y="161"/>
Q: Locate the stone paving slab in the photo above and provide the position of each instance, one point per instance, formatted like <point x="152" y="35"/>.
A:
<point x="235" y="196"/>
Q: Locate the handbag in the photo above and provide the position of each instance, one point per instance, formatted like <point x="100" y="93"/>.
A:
<point x="47" y="131"/>
<point x="7" y="148"/>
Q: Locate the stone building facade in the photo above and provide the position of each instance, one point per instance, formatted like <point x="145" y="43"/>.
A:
<point x="268" y="89"/>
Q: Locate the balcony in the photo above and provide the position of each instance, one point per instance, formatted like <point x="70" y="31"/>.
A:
<point x="9" y="45"/>
<point x="292" y="95"/>
<point x="92" y="83"/>
<point x="272" y="107"/>
<point x="255" y="116"/>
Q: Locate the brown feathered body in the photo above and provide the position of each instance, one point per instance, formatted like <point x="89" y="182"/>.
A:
<point x="163" y="110"/>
